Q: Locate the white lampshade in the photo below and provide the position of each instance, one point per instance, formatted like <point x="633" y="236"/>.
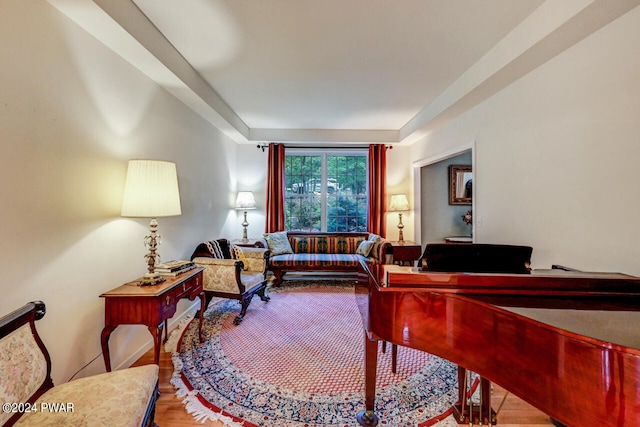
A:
<point x="151" y="190"/>
<point x="245" y="201"/>
<point x="398" y="203"/>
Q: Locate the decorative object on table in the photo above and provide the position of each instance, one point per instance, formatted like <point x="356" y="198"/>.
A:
<point x="399" y="203"/>
<point x="244" y="202"/>
<point x="281" y="382"/>
<point x="468" y="219"/>
<point x="174" y="267"/>
<point x="151" y="191"/>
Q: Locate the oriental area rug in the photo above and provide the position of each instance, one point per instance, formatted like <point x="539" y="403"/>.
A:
<point x="298" y="361"/>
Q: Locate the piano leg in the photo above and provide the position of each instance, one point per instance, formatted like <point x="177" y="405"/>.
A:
<point x="368" y="416"/>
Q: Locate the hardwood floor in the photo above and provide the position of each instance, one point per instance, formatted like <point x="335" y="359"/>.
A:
<point x="170" y="411"/>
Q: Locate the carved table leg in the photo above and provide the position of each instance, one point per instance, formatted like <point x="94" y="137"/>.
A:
<point x="166" y="331"/>
<point x="156" y="333"/>
<point x="104" y="340"/>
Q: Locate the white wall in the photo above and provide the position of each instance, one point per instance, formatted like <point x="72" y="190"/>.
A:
<point x="252" y="176"/>
<point x="556" y="155"/>
<point x="72" y="113"/>
<point x="399" y="181"/>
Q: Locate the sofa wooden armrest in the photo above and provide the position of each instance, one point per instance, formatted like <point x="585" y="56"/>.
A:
<point x="124" y="398"/>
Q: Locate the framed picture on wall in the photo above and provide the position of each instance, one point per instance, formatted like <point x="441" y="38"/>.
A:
<point x="460" y="184"/>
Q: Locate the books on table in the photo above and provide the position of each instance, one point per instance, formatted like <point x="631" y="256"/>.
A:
<point x="174" y="267"/>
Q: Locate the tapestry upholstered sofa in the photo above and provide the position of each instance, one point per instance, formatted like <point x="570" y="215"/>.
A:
<point x="126" y="397"/>
<point x="321" y="251"/>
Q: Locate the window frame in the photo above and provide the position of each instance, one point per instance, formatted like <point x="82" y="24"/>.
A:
<point x="323" y="153"/>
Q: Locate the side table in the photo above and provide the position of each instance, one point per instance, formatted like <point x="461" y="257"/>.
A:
<point x="132" y="304"/>
<point x="405" y="251"/>
<point x="250" y="243"/>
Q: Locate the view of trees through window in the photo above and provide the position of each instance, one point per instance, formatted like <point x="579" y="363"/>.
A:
<point x="326" y="192"/>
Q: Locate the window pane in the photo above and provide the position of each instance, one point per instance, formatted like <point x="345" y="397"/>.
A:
<point x="342" y="198"/>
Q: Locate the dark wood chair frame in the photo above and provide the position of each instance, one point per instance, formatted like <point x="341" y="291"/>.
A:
<point x="246" y="295"/>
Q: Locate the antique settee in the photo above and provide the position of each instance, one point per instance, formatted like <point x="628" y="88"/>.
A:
<point x="321" y="251"/>
<point x="126" y="397"/>
<point x="233" y="272"/>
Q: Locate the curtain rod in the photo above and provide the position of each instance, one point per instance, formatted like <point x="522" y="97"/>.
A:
<point x="316" y="147"/>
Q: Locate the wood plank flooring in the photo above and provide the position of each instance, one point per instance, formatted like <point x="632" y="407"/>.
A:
<point x="170" y="411"/>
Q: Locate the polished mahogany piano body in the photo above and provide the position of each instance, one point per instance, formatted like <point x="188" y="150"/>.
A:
<point x="567" y="342"/>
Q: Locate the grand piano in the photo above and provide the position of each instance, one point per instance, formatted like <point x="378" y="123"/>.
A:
<point x="567" y="342"/>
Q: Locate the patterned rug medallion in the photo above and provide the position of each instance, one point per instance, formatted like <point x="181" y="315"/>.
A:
<point x="298" y="361"/>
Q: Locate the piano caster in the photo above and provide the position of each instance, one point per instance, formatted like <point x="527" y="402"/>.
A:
<point x="367" y="418"/>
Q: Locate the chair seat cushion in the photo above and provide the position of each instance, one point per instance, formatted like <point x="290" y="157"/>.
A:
<point x="249" y="279"/>
<point x="316" y="260"/>
<point x="129" y="392"/>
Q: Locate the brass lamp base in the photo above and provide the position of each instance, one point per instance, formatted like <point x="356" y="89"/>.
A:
<point x="149" y="280"/>
<point x="400" y="227"/>
<point x="151" y="241"/>
<point x="245" y="224"/>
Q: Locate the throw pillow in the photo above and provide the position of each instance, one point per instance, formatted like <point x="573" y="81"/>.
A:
<point x="299" y="245"/>
<point x="376" y="239"/>
<point x="364" y="248"/>
<point x="239" y="255"/>
<point x="278" y="243"/>
<point x="213" y="249"/>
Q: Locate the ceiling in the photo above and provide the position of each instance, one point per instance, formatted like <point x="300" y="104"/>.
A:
<point x="340" y="71"/>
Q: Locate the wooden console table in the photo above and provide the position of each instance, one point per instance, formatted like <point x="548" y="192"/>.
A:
<point x="132" y="304"/>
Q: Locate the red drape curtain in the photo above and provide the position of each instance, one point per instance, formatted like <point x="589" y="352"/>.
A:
<point x="275" y="189"/>
<point x="377" y="175"/>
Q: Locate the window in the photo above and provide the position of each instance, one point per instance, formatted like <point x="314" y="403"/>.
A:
<point x="325" y="191"/>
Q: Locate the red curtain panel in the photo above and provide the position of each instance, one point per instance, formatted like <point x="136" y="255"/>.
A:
<point x="377" y="172"/>
<point x="275" y="189"/>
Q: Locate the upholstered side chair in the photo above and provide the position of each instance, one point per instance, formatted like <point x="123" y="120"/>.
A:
<point x="232" y="272"/>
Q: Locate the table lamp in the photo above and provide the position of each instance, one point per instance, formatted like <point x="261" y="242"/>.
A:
<point x="151" y="191"/>
<point x="244" y="202"/>
<point x="399" y="203"/>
